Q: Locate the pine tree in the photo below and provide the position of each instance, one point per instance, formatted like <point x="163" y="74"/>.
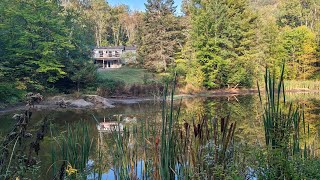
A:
<point x="159" y="35"/>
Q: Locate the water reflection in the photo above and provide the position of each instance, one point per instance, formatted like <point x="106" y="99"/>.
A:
<point x="245" y="110"/>
<point x="113" y="173"/>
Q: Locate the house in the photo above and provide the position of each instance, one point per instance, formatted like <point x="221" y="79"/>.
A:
<point x="113" y="57"/>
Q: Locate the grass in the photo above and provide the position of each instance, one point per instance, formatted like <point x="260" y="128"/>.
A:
<point x="303" y="85"/>
<point x="128" y="75"/>
<point x="74" y="150"/>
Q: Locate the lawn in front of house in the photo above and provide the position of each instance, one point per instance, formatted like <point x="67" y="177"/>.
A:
<point x="128" y="75"/>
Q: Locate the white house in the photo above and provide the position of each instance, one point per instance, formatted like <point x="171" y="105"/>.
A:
<point x="110" y="57"/>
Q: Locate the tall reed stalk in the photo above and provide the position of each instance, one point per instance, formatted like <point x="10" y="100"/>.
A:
<point x="282" y="124"/>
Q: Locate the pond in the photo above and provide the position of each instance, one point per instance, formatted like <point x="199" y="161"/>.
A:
<point x="141" y="132"/>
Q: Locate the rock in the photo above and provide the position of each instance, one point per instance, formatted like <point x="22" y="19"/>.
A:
<point x="99" y="101"/>
<point x="80" y="103"/>
<point x="62" y="103"/>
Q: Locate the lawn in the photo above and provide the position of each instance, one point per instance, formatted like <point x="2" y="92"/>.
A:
<point x="128" y="75"/>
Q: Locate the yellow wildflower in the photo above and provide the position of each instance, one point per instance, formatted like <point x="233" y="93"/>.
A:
<point x="70" y="170"/>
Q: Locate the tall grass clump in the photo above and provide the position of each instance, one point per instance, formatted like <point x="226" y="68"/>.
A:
<point x="302" y="85"/>
<point x="71" y="154"/>
<point x="283" y="124"/>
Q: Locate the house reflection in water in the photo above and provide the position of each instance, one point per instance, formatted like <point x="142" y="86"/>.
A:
<point x="111" y="126"/>
<point x="108" y="127"/>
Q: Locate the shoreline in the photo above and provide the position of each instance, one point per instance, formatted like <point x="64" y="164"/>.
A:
<point x="114" y="101"/>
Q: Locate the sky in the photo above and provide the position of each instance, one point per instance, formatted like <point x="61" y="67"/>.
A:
<point x="139" y="4"/>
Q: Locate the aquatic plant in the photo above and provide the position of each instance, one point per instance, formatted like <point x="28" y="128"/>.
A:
<point x="283" y="123"/>
<point x="72" y="152"/>
<point x="20" y="148"/>
<point x="203" y="149"/>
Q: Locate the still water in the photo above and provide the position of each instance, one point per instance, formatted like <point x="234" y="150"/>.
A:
<point x="245" y="110"/>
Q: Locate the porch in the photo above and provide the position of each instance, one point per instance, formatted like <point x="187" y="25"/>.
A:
<point x="108" y="63"/>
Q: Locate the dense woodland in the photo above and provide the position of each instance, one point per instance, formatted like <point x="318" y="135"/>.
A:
<point x="45" y="45"/>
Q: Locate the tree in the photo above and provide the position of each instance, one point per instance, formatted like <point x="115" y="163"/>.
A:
<point x="36" y="42"/>
<point x="159" y="35"/>
<point x="99" y="13"/>
<point x="300" y="46"/>
<point x="131" y="22"/>
<point x="40" y="41"/>
<point x="83" y="73"/>
<point x="290" y="13"/>
<point x="223" y="35"/>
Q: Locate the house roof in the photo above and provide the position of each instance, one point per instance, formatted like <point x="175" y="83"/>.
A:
<point x="107" y="59"/>
<point x="111" y="47"/>
<point x="130" y="48"/>
<point x="117" y="47"/>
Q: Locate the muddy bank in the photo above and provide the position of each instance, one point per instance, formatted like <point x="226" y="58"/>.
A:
<point x="97" y="102"/>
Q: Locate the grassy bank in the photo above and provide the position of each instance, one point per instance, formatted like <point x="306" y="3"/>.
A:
<point x="127" y="75"/>
<point x="128" y="81"/>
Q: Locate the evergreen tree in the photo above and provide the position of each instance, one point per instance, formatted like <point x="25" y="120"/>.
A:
<point x="159" y="35"/>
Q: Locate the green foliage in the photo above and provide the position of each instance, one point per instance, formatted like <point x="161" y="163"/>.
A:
<point x="160" y="34"/>
<point x="126" y="74"/>
<point x="223" y="39"/>
<point x="289" y="14"/>
<point x="39" y="40"/>
<point x="283" y="135"/>
<point x="107" y="87"/>
<point x="34" y="47"/>
<point x="9" y="94"/>
<point x="232" y="44"/>
<point x="83" y="74"/>
<point x="300" y="47"/>
<point x="72" y="153"/>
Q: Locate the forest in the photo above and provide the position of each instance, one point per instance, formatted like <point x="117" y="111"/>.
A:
<point x="46" y="45"/>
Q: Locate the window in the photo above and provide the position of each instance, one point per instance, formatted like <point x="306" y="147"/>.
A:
<point x="117" y="53"/>
<point x="110" y="54"/>
<point x="100" y="53"/>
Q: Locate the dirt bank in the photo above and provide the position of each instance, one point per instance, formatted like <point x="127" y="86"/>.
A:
<point x="98" y="102"/>
<point x="83" y="102"/>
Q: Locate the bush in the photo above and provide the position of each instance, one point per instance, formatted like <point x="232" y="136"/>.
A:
<point x="9" y="94"/>
<point x="152" y="89"/>
<point x="108" y="87"/>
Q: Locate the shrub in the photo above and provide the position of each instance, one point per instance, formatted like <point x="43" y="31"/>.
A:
<point x="107" y="87"/>
<point x="152" y="89"/>
<point x="9" y="94"/>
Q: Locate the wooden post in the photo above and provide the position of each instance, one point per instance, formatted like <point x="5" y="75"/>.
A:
<point x="103" y="63"/>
